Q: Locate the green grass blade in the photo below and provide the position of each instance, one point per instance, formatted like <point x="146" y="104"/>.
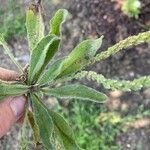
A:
<point x="43" y="121"/>
<point x="63" y="132"/>
<point x="57" y="21"/>
<point x="77" y="92"/>
<point x="34" y="24"/>
<point x="8" y="52"/>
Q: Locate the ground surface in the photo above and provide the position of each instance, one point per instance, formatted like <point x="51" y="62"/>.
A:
<point x="93" y="18"/>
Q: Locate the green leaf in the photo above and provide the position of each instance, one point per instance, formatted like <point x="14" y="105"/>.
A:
<point x="50" y="53"/>
<point x="77" y="92"/>
<point x="43" y="49"/>
<point x="12" y="89"/>
<point x="57" y="21"/>
<point x="80" y="56"/>
<point x="23" y="134"/>
<point x="34" y="127"/>
<point x="8" y="52"/>
<point x="51" y="73"/>
<point x="63" y="131"/>
<point x="43" y="121"/>
<point x="34" y="24"/>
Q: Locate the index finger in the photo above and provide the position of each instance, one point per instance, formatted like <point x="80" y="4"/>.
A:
<point x="7" y="75"/>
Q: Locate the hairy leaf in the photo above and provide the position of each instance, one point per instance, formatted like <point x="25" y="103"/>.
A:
<point x="12" y="89"/>
<point x="8" y="52"/>
<point x="80" y="55"/>
<point x="34" y="127"/>
<point x="63" y="131"/>
<point x="51" y="73"/>
<point x="34" y="24"/>
<point x="50" y="53"/>
<point x="57" y="21"/>
<point x="76" y="91"/>
<point x="43" y="48"/>
<point x="23" y="134"/>
<point x="43" y="121"/>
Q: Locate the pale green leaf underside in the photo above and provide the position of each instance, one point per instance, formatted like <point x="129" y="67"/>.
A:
<point x="43" y="121"/>
<point x="80" y="56"/>
<point x="136" y="84"/>
<point x="12" y="89"/>
<point x="63" y="131"/>
<point x="39" y="54"/>
<point x="57" y="21"/>
<point x="77" y="92"/>
<point x="35" y="26"/>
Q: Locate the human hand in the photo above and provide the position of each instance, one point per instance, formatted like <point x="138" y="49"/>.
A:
<point x="12" y="108"/>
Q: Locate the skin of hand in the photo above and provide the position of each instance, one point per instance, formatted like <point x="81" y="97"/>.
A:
<point x="11" y="108"/>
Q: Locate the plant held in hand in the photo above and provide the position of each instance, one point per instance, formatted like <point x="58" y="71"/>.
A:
<point x="42" y="74"/>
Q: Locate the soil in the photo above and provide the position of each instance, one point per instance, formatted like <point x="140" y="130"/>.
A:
<point x="93" y="18"/>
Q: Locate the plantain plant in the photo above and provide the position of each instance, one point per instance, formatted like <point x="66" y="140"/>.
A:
<point x="45" y="75"/>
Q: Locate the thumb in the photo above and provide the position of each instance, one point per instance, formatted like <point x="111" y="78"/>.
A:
<point x="11" y="109"/>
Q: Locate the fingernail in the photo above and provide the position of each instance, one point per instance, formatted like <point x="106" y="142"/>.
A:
<point x="17" y="105"/>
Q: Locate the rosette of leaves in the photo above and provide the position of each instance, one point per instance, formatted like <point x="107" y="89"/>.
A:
<point x="44" y="73"/>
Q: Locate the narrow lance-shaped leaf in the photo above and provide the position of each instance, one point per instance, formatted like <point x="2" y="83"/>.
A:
<point x="80" y="56"/>
<point x="43" y="121"/>
<point x="57" y="21"/>
<point x="34" y="24"/>
<point x="53" y="71"/>
<point x="34" y="127"/>
<point x="12" y="89"/>
<point x="8" y="52"/>
<point x="77" y="92"/>
<point x="50" y="53"/>
<point x="63" y="132"/>
<point x="39" y="54"/>
<point x="23" y="134"/>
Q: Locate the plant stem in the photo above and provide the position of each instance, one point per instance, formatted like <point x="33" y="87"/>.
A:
<point x="126" y="43"/>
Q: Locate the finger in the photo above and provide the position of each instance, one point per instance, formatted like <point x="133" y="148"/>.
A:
<point x="11" y="110"/>
<point x="7" y="75"/>
<point x="21" y="119"/>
